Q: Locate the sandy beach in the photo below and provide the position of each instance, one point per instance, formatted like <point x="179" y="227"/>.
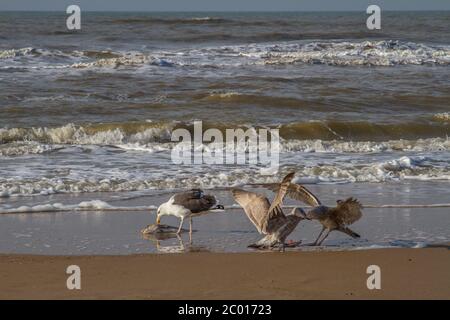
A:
<point x="405" y="274"/>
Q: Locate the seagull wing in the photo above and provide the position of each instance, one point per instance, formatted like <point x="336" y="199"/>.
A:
<point x="297" y="192"/>
<point x="347" y="212"/>
<point x="256" y="206"/>
<point x="195" y="200"/>
<point x="275" y="208"/>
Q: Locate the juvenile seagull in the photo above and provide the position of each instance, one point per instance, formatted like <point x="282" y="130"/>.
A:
<point x="269" y="219"/>
<point x="187" y="204"/>
<point x="336" y="218"/>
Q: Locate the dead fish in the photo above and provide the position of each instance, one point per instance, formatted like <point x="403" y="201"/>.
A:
<point x="160" y="229"/>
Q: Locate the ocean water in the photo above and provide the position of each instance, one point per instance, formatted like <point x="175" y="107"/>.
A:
<point x="93" y="110"/>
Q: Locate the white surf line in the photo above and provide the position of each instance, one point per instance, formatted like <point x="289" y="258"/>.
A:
<point x="28" y="210"/>
<point x="12" y="211"/>
<point x="151" y="209"/>
<point x="434" y="205"/>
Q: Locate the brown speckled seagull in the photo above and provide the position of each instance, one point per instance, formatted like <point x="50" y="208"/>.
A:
<point x="269" y="219"/>
<point x="336" y="218"/>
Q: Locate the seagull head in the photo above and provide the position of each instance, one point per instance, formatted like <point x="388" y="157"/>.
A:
<point x="161" y="212"/>
<point x="299" y="212"/>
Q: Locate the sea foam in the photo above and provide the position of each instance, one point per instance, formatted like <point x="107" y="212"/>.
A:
<point x="341" y="53"/>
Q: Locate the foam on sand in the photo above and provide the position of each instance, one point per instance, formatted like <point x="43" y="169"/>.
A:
<point x="93" y="205"/>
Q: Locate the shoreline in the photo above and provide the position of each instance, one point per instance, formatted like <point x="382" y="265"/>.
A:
<point x="86" y="229"/>
<point x="405" y="274"/>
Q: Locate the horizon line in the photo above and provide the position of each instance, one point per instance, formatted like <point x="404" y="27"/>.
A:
<point x="228" y="11"/>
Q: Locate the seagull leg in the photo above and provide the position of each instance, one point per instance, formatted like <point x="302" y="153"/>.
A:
<point x="350" y="232"/>
<point x="320" y="234"/>
<point x="181" y="224"/>
<point x="180" y="242"/>
<point x="190" y="230"/>
<point x="326" y="235"/>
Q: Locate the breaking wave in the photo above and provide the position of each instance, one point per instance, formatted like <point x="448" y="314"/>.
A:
<point x="336" y="146"/>
<point x="90" y="146"/>
<point x="444" y="117"/>
<point x="371" y="53"/>
<point x="25" y="148"/>
<point x="314" y="136"/>
<point x="12" y="53"/>
<point x="343" y="53"/>
<point x="125" y="60"/>
<point x="111" y="139"/>
<point x="403" y="168"/>
<point x="98" y="134"/>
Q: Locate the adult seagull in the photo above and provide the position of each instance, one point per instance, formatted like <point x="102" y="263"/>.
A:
<point x="187" y="204"/>
<point x="332" y="218"/>
<point x="268" y="218"/>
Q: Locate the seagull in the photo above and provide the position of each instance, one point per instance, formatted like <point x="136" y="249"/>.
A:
<point x="269" y="219"/>
<point x="336" y="218"/>
<point x="187" y="204"/>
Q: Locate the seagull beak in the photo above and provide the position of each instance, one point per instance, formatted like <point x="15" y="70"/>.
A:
<point x="304" y="215"/>
<point x="158" y="220"/>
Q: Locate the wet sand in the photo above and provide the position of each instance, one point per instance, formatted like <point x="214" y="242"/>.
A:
<point x="405" y="274"/>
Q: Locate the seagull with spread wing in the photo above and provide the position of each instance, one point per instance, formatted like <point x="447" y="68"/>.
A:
<point x="268" y="218"/>
<point x="336" y="218"/>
